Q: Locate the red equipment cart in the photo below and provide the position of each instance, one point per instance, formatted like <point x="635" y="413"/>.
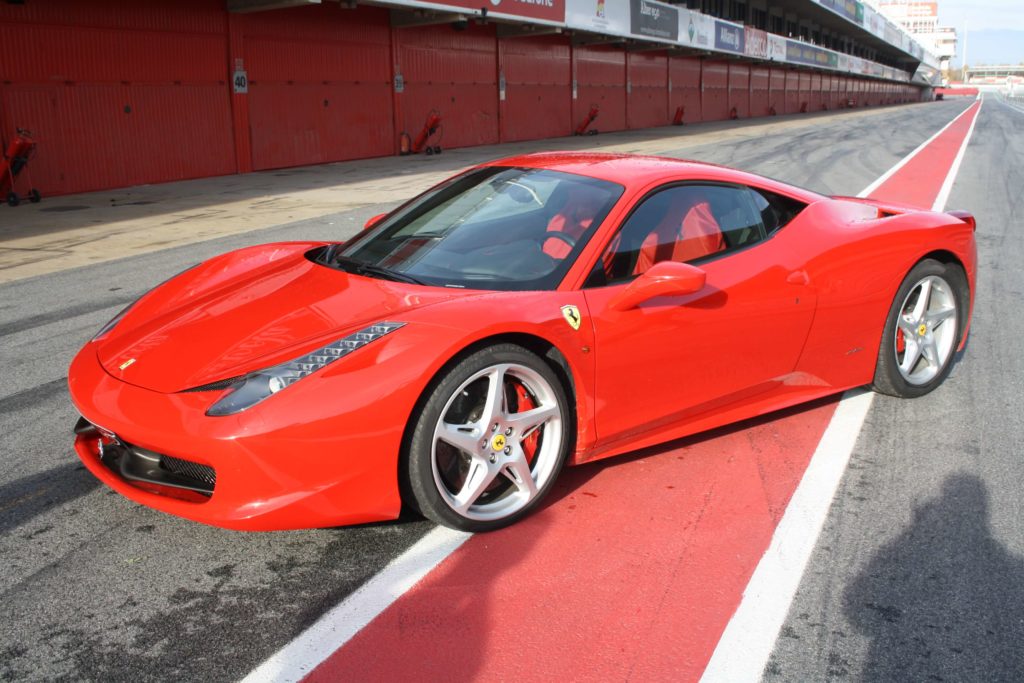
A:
<point x="16" y="158"/>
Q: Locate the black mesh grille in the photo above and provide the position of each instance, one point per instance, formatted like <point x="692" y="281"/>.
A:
<point x="191" y="470"/>
<point x="215" y="386"/>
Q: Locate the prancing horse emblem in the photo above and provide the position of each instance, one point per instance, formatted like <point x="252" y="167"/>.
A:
<point x="572" y="316"/>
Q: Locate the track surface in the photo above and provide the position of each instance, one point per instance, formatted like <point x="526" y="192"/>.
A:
<point x="94" y="586"/>
<point x="919" y="572"/>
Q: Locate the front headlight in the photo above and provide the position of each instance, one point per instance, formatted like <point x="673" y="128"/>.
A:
<point x="113" y="322"/>
<point x="249" y="390"/>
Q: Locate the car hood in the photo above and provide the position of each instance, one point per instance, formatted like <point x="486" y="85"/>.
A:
<point x="245" y="311"/>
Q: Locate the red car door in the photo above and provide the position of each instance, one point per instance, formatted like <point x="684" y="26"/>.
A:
<point x="674" y="358"/>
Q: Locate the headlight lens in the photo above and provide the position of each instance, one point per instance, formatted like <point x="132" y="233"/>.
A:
<point x="113" y="322"/>
<point x="253" y="388"/>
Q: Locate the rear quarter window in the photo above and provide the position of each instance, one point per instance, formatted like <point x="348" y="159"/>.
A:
<point x="776" y="210"/>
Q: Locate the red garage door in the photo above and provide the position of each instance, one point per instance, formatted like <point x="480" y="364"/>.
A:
<point x="453" y="73"/>
<point x="600" y="83"/>
<point x="538" y="94"/>
<point x="777" y="91"/>
<point x="805" y="92"/>
<point x="815" y="96"/>
<point x="739" y="89"/>
<point x="648" y="90"/>
<point x="714" y="91"/>
<point x="319" y="88"/>
<point x="759" y="96"/>
<point x="792" y="92"/>
<point x="147" y="116"/>
<point x="685" y="75"/>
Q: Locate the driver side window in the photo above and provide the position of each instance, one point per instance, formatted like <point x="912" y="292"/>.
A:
<point x="685" y="223"/>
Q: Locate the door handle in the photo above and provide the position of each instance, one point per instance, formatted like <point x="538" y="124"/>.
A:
<point x="798" y="277"/>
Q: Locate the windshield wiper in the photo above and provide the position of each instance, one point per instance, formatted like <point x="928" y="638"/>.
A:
<point x="358" y="267"/>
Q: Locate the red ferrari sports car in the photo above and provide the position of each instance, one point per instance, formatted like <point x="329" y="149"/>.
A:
<point x="527" y="312"/>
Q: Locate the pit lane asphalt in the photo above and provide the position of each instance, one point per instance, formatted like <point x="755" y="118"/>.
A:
<point x="96" y="587"/>
<point x="918" y="574"/>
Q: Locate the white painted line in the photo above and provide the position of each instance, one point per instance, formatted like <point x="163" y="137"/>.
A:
<point x="903" y="162"/>
<point x="749" y="637"/>
<point x="947" y="184"/>
<point x="299" y="657"/>
<point x="1009" y="105"/>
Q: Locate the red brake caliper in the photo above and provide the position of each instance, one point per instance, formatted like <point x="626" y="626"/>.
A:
<point x="901" y="341"/>
<point x="525" y="402"/>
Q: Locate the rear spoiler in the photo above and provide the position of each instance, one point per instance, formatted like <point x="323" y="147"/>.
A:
<point x="966" y="216"/>
<point x="887" y="208"/>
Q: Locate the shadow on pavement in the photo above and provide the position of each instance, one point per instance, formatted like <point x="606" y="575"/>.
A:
<point x="23" y="499"/>
<point x="944" y="601"/>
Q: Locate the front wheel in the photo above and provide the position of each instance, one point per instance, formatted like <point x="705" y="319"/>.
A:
<point x="489" y="441"/>
<point x="922" y="331"/>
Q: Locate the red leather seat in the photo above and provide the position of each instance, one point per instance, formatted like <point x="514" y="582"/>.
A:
<point x="573" y="219"/>
<point x="687" y="231"/>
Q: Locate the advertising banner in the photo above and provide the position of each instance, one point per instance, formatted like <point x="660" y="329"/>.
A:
<point x="729" y="37"/>
<point x="776" y="48"/>
<point x="548" y="10"/>
<point x="756" y="42"/>
<point x="803" y="53"/>
<point x="851" y="9"/>
<point x="600" y="16"/>
<point x="653" y="19"/>
<point x="696" y="29"/>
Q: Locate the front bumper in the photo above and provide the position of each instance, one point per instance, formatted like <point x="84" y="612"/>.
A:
<point x="302" y="462"/>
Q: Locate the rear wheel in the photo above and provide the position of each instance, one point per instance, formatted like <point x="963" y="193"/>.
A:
<point x="13" y="199"/>
<point x="923" y="330"/>
<point x="489" y="441"/>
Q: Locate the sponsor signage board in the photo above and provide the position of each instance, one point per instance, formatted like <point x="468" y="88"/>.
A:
<point x="729" y="37"/>
<point x="776" y="48"/>
<point x="546" y="10"/>
<point x="756" y="42"/>
<point x="696" y="30"/>
<point x="653" y="20"/>
<point x="610" y="17"/>
<point x="851" y="9"/>
<point x="802" y="53"/>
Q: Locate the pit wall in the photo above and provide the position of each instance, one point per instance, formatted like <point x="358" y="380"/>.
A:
<point x="120" y="93"/>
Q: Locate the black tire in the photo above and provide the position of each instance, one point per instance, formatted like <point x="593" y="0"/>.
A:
<point x="889" y="377"/>
<point x="13" y="199"/>
<point x="34" y="196"/>
<point x="431" y="467"/>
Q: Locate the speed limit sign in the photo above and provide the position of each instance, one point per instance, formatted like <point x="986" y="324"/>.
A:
<point x="241" y="82"/>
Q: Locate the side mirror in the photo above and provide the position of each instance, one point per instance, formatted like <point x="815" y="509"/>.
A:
<point x="668" y="278"/>
<point x="373" y="221"/>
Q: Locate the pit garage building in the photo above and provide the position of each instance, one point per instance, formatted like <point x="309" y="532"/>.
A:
<point x="127" y="92"/>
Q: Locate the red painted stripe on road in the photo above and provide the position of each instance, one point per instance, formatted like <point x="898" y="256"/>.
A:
<point x="919" y="181"/>
<point x="633" y="571"/>
<point x="635" y="567"/>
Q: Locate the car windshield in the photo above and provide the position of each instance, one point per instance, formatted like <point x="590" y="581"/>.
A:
<point x="491" y="228"/>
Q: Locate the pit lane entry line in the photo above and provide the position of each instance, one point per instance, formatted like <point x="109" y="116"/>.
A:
<point x="340" y="624"/>
<point x="750" y="636"/>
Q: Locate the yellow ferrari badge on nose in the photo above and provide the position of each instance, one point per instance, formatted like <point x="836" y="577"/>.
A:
<point x="498" y="442"/>
<point x="572" y="316"/>
<point x="125" y="364"/>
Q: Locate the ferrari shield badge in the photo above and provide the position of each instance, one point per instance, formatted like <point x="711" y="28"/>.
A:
<point x="572" y="316"/>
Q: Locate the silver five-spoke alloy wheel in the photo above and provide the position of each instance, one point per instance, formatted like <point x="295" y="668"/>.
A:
<point x="926" y="330"/>
<point x="497" y="443"/>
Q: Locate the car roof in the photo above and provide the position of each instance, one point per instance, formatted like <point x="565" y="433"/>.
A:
<point x="635" y="170"/>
